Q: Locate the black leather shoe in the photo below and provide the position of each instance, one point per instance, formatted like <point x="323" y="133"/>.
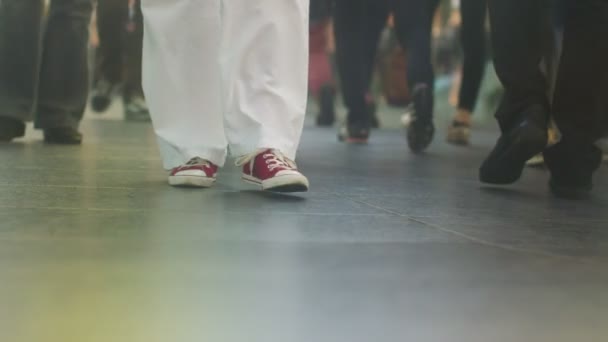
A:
<point x="515" y="147"/>
<point x="62" y="136"/>
<point x="421" y="130"/>
<point x="101" y="96"/>
<point x="571" y="189"/>
<point x="420" y="135"/>
<point x="10" y="129"/>
<point x="572" y="167"/>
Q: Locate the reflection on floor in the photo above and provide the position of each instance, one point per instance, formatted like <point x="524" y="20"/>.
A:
<point x="388" y="246"/>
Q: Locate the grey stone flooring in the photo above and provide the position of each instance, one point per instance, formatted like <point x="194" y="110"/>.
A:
<point x="388" y="246"/>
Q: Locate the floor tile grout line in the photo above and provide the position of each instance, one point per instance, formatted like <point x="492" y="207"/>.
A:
<point x="60" y="186"/>
<point x="284" y="213"/>
<point x="35" y="168"/>
<point x="65" y="186"/>
<point x="105" y="159"/>
<point x="467" y="236"/>
<point x="379" y="210"/>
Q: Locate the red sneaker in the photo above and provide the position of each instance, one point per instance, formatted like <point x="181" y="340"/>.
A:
<point x="272" y="171"/>
<point x="198" y="173"/>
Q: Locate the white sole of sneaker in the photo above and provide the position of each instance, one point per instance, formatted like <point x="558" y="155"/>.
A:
<point x="287" y="183"/>
<point x="191" y="181"/>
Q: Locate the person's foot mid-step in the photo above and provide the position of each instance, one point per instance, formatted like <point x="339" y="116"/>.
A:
<point x="196" y="173"/>
<point x="272" y="171"/>
<point x="527" y="138"/>
<point x="421" y="130"/>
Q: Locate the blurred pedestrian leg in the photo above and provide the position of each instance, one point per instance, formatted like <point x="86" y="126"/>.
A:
<point x="43" y="68"/>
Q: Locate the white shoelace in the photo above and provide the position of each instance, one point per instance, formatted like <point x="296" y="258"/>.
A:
<point x="198" y="161"/>
<point x="274" y="159"/>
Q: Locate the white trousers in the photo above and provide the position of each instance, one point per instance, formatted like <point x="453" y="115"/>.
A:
<point x="225" y="74"/>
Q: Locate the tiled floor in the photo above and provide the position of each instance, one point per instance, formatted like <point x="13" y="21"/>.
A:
<point x="388" y="246"/>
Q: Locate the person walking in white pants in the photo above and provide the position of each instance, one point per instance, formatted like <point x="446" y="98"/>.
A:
<point x="228" y="75"/>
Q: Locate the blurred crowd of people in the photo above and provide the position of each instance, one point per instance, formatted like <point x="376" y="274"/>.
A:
<point x="117" y="40"/>
<point x="230" y="76"/>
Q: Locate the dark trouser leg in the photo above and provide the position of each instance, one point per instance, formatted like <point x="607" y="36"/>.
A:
<point x="358" y="25"/>
<point x="20" y="29"/>
<point x="518" y="46"/>
<point x="413" y="19"/>
<point x="473" y="38"/>
<point x="580" y="105"/>
<point x="112" y="18"/>
<point x="134" y="48"/>
<point x="63" y="84"/>
<point x="518" y="32"/>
